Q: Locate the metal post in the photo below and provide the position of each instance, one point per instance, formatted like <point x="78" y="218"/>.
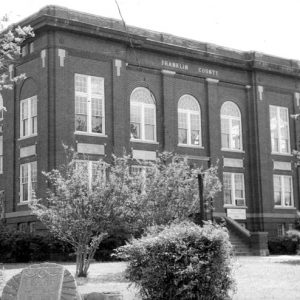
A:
<point x="201" y="197"/>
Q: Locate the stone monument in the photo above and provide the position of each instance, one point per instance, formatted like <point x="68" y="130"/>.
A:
<point x="46" y="281"/>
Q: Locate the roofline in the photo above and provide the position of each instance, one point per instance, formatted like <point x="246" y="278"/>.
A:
<point x="67" y="19"/>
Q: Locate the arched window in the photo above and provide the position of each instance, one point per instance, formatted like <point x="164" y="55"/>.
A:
<point x="142" y="115"/>
<point x="189" y="121"/>
<point x="1" y="107"/>
<point x="231" y="126"/>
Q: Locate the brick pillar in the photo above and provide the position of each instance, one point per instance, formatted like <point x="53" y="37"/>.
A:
<point x="259" y="243"/>
<point x="121" y="134"/>
<point x="214" y="135"/>
<point x="169" y="139"/>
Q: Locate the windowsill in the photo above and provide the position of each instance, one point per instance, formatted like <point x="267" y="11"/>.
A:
<point x="190" y="146"/>
<point x="26" y="137"/>
<point x="143" y="141"/>
<point x="232" y="150"/>
<point x="90" y="134"/>
<point x="23" y="203"/>
<point x="285" y="207"/>
<point x="282" y="154"/>
<point x="234" y="206"/>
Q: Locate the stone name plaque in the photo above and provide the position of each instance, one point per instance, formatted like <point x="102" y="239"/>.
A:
<point x="41" y="283"/>
<point x="236" y="213"/>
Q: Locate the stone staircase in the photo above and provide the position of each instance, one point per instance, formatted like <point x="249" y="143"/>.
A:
<point x="240" y="246"/>
<point x="239" y="237"/>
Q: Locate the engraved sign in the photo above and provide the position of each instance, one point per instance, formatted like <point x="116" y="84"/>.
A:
<point x="236" y="213"/>
<point x="41" y="283"/>
<point x="282" y="165"/>
<point x="46" y="281"/>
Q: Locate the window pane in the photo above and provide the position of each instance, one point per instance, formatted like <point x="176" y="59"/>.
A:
<point x="182" y="136"/>
<point x="274" y="129"/>
<point x="287" y="190"/>
<point x="142" y="95"/>
<point x="230" y="109"/>
<point x="149" y="132"/>
<point x="80" y="105"/>
<point x="81" y="113"/>
<point x="80" y="83"/>
<point x="239" y="189"/>
<point x="135" y="130"/>
<point x="24" y="192"/>
<point x="227" y="187"/>
<point x="236" y="134"/>
<point x="225" y="133"/>
<point x="33" y="107"/>
<point x="135" y="114"/>
<point x="96" y="115"/>
<point x="182" y="120"/>
<point x="149" y="115"/>
<point x="189" y="103"/>
<point x="80" y="123"/>
<point x="24" y="109"/>
<point x="195" y="122"/>
<point x="277" y="189"/>
<point x="97" y="85"/>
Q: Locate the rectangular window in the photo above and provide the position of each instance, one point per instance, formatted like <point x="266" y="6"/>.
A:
<point x="283" y="190"/>
<point x="234" y="189"/>
<point x="93" y="170"/>
<point x="279" y="126"/>
<point x="89" y="104"/>
<point x="1" y="154"/>
<point x="28" y="113"/>
<point x="28" y="181"/>
<point x="280" y="230"/>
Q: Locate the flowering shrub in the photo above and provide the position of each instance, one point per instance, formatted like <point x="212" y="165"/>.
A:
<point x="181" y="261"/>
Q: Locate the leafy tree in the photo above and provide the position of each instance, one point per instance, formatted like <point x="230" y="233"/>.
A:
<point x="87" y="199"/>
<point x="10" y="41"/>
<point x="81" y="207"/>
<point x="171" y="189"/>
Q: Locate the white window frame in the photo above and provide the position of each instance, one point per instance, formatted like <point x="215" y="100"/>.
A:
<point x="142" y="106"/>
<point x="89" y="97"/>
<point x="31" y="130"/>
<point x="1" y="154"/>
<point x="30" y="166"/>
<point x="231" y="119"/>
<point x="89" y="164"/>
<point x="233" y="198"/>
<point x="188" y="113"/>
<point x="278" y="109"/>
<point x="282" y="191"/>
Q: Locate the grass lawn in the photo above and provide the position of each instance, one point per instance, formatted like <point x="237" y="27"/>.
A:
<point x="272" y="277"/>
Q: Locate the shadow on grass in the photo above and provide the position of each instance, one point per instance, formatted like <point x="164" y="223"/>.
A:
<point x="290" y="262"/>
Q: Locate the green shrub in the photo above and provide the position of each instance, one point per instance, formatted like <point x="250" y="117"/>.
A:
<point x="18" y="246"/>
<point x="282" y="245"/>
<point x="181" y="261"/>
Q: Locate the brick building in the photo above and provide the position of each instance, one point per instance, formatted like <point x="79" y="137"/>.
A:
<point x="95" y="86"/>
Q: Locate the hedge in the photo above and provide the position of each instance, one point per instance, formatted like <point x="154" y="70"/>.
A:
<point x="282" y="245"/>
<point x="18" y="246"/>
<point x="182" y="261"/>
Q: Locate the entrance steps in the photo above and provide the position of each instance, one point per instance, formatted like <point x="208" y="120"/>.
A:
<point x="239" y="237"/>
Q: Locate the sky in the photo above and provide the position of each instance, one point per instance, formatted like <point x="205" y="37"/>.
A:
<point x="269" y="26"/>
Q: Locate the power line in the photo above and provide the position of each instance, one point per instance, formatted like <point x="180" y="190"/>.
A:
<point x="128" y="35"/>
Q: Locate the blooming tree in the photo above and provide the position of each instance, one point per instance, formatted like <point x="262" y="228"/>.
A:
<point x="11" y="39"/>
<point x="171" y="191"/>
<point x="87" y="199"/>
